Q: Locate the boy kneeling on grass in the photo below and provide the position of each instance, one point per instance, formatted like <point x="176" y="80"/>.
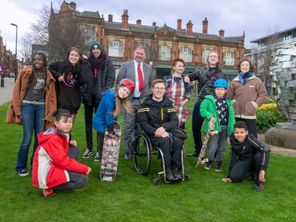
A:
<point x="249" y="157"/>
<point x="55" y="164"/>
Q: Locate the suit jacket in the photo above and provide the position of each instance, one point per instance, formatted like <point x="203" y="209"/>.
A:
<point x="127" y="70"/>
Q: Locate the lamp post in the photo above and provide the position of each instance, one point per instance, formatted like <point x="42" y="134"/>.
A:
<point x="16" y="68"/>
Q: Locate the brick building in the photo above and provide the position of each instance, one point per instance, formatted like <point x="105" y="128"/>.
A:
<point x="163" y="43"/>
<point x="6" y="58"/>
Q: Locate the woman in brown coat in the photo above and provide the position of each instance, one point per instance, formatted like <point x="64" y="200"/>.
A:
<point x="32" y="105"/>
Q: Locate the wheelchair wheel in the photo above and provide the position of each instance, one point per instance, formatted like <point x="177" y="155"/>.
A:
<point x="142" y="155"/>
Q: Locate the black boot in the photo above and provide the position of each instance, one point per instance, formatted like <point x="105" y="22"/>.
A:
<point x="169" y="174"/>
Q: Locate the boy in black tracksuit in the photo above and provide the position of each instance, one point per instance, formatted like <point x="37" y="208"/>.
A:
<point x="157" y="117"/>
<point x="249" y="157"/>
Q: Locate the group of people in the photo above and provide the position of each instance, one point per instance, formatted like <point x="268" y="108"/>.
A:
<point x="46" y="100"/>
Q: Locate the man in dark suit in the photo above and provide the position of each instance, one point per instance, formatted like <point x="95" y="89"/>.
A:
<point x="141" y="73"/>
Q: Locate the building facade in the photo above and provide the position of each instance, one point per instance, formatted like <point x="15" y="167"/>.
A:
<point x="7" y="59"/>
<point x="162" y="43"/>
<point x="262" y="54"/>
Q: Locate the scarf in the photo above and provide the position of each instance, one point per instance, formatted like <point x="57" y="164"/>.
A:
<point x="244" y="77"/>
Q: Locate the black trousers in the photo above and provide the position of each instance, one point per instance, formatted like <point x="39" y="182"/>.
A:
<point x="171" y="149"/>
<point x="77" y="180"/>
<point x="245" y="168"/>
<point x="88" y="118"/>
<point x="197" y="121"/>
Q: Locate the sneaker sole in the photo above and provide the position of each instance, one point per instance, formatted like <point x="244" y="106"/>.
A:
<point x="86" y="157"/>
<point x="23" y="174"/>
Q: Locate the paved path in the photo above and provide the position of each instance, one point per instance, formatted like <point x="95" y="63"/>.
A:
<point x="6" y="91"/>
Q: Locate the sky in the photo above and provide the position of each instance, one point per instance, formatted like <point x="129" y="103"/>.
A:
<point x="257" y="18"/>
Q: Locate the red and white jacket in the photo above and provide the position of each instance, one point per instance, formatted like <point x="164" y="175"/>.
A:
<point x="51" y="162"/>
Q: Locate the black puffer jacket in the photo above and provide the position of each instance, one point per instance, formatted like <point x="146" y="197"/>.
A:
<point x="95" y="87"/>
<point x="152" y="115"/>
<point x="206" y="79"/>
<point x="247" y="150"/>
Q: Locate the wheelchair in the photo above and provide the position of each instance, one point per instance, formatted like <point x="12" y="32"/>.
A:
<point x="143" y="154"/>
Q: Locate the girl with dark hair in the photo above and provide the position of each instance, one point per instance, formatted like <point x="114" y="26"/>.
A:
<point x="110" y="107"/>
<point x="178" y="91"/>
<point x="101" y="78"/>
<point x="247" y="93"/>
<point x="32" y="105"/>
<point x="206" y="78"/>
<point x="70" y="75"/>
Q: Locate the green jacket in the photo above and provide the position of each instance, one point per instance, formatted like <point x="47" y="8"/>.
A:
<point x="208" y="110"/>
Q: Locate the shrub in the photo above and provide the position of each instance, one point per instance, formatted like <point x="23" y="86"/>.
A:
<point x="268" y="115"/>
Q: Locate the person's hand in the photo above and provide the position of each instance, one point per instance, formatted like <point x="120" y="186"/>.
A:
<point x="184" y="102"/>
<point x="88" y="171"/>
<point x="84" y="57"/>
<point x="61" y="78"/>
<point x="262" y="176"/>
<point x="226" y="180"/>
<point x="165" y="134"/>
<point x="73" y="142"/>
<point x="186" y="79"/>
<point x="159" y="132"/>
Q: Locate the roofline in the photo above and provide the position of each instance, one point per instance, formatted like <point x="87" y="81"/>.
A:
<point x="276" y="33"/>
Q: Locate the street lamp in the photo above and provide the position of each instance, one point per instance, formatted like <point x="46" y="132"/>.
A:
<point x="16" y="71"/>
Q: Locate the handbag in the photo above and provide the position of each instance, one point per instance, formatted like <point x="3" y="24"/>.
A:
<point x="180" y="133"/>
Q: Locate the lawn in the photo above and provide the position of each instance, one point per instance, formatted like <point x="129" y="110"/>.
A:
<point x="134" y="198"/>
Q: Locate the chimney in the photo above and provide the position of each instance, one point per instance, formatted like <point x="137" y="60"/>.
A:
<point x="139" y="21"/>
<point x="110" y="18"/>
<point x="179" y="24"/>
<point x="189" y="27"/>
<point x="72" y="5"/>
<point x="124" y="19"/>
<point x="154" y="24"/>
<point x="221" y="33"/>
<point x="205" y="26"/>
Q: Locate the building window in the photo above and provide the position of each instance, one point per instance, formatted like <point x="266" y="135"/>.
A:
<point x="228" y="58"/>
<point x="89" y="34"/>
<point x="164" y="53"/>
<point x="115" y="48"/>
<point x="186" y="54"/>
<point x="205" y="53"/>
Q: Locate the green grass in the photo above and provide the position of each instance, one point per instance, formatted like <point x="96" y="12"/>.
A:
<point x="134" y="198"/>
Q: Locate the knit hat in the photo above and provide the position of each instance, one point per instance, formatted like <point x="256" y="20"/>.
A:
<point x="95" y="45"/>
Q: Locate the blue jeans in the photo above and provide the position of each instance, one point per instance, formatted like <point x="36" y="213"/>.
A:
<point x="32" y="119"/>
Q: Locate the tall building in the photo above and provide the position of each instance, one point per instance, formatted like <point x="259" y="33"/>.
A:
<point x="262" y="54"/>
<point x="163" y="43"/>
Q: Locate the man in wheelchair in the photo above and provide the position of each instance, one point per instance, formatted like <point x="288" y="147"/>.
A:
<point x="157" y="117"/>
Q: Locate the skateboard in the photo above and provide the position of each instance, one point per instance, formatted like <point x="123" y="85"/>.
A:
<point x="110" y="153"/>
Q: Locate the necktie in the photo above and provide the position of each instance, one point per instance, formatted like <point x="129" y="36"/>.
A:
<point x="140" y="78"/>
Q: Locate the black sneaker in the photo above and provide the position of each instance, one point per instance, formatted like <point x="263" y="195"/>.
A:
<point x="87" y="154"/>
<point x="218" y="167"/>
<point x="169" y="175"/>
<point x="23" y="173"/>
<point x="177" y="174"/>
<point x="194" y="154"/>
<point x="208" y="165"/>
<point x="97" y="157"/>
<point x="128" y="156"/>
<point x="258" y="187"/>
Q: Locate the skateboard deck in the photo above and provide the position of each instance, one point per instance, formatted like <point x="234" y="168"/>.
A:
<point x="110" y="153"/>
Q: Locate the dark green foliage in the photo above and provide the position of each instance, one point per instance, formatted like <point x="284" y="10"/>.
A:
<point x="268" y="118"/>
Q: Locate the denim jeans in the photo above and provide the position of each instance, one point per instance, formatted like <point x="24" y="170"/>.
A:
<point x="217" y="145"/>
<point x="32" y="120"/>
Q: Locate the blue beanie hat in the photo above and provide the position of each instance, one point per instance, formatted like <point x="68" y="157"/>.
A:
<point x="95" y="45"/>
<point x="221" y="83"/>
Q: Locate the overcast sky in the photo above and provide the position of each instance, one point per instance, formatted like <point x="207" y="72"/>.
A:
<point x="257" y="18"/>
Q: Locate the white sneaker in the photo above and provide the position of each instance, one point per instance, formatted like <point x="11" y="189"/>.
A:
<point x="97" y="157"/>
<point x="87" y="154"/>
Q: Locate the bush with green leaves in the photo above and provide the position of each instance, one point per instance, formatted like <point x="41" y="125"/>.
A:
<point x="268" y="115"/>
